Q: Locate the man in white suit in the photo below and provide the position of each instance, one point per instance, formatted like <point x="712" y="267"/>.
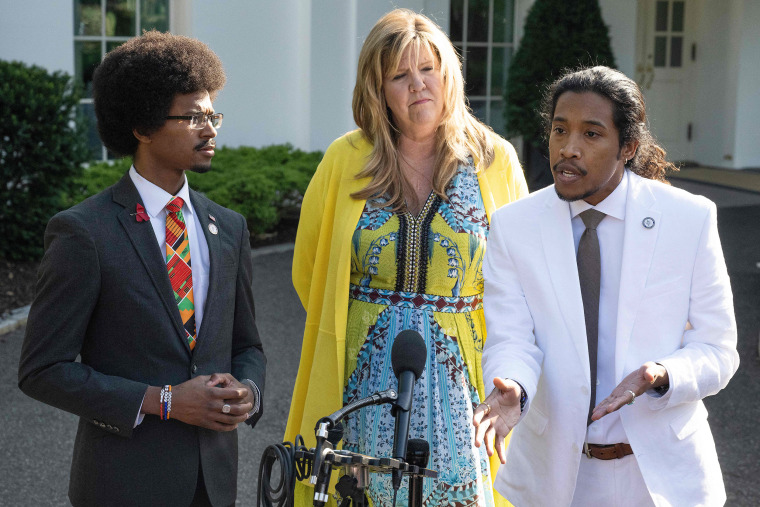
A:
<point x="644" y="308"/>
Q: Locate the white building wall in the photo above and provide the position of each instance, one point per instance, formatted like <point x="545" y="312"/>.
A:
<point x="747" y="150"/>
<point x="38" y="32"/>
<point x="332" y="53"/>
<point x="264" y="46"/>
<point x="715" y="83"/>
<point x="620" y="18"/>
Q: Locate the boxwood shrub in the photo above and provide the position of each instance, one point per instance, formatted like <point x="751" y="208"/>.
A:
<point x="42" y="148"/>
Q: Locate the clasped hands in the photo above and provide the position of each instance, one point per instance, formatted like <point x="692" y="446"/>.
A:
<point x="203" y="401"/>
<point x="493" y="425"/>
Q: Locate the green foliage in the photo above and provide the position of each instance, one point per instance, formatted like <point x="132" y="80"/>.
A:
<point x="265" y="185"/>
<point x="559" y="35"/>
<point x="41" y="150"/>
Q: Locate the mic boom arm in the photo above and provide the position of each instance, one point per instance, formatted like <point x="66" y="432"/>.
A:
<point x="389" y="395"/>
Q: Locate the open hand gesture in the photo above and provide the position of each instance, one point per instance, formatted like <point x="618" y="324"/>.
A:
<point x="648" y="376"/>
<point x="497" y="415"/>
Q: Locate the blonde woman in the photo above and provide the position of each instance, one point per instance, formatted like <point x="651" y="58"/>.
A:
<point x="392" y="235"/>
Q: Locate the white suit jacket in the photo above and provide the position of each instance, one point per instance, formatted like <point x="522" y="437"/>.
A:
<point x="673" y="277"/>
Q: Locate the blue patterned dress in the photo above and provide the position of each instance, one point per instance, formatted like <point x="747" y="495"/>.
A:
<point x="421" y="273"/>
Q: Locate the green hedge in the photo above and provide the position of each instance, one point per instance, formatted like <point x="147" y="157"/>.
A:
<point x="42" y="149"/>
<point x="265" y="185"/>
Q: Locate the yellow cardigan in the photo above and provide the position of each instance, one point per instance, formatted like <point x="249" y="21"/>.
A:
<point x="322" y="265"/>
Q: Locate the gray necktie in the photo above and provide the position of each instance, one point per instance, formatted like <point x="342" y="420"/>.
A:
<point x="589" y="275"/>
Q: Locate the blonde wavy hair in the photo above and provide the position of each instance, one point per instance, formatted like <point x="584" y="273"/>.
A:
<point x="460" y="134"/>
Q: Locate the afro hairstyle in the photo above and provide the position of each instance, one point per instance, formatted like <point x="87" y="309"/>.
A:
<point x="135" y="84"/>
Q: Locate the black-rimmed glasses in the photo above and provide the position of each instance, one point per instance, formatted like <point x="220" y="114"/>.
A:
<point x="198" y="121"/>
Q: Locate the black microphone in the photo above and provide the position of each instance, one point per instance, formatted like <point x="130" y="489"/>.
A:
<point x="408" y="357"/>
<point x="417" y="454"/>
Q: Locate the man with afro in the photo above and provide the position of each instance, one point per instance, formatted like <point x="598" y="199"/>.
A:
<point x="149" y="284"/>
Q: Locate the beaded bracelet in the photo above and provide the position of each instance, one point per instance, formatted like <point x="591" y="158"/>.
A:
<point x="166" y="402"/>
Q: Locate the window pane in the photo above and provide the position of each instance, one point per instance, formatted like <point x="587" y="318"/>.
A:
<point x="87" y="17"/>
<point x="476" y="71"/>
<point x="87" y="114"/>
<point x="503" y="22"/>
<point x="456" y="20"/>
<point x="479" y="109"/>
<point x="500" y="60"/>
<point x="154" y="14"/>
<point x="120" y="18"/>
<point x="659" y="51"/>
<point x="497" y="122"/>
<point x="86" y="58"/>
<point x="678" y="16"/>
<point x="661" y="18"/>
<point x="676" y="50"/>
<point x="477" y="20"/>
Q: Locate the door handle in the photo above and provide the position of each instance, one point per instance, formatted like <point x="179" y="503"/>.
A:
<point x="640" y="74"/>
<point x="650" y="71"/>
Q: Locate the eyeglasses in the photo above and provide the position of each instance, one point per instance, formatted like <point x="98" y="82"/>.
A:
<point x="198" y="121"/>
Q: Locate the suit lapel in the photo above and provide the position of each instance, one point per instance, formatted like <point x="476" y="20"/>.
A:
<point x="204" y="214"/>
<point x="144" y="242"/>
<point x="638" y="248"/>
<point x="559" y="250"/>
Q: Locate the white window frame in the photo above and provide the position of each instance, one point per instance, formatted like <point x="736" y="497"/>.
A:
<point x="105" y="39"/>
<point x="464" y="44"/>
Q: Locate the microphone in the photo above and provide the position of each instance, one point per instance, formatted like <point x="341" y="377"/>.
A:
<point x="408" y="357"/>
<point x="417" y="454"/>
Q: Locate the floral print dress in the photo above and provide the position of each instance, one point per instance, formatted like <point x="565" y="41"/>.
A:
<point x="421" y="273"/>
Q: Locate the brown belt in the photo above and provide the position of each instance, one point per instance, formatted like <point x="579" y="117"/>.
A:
<point x="611" y="451"/>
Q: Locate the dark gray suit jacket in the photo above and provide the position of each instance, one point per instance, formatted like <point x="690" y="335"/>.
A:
<point x="104" y="293"/>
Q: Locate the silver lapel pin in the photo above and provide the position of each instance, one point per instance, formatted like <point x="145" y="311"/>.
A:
<point x="648" y="222"/>
<point x="213" y="229"/>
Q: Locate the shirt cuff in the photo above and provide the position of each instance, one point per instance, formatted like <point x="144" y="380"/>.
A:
<point x="256" y="396"/>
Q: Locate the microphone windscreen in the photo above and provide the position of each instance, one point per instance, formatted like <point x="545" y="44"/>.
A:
<point x="417" y="448"/>
<point x="408" y="353"/>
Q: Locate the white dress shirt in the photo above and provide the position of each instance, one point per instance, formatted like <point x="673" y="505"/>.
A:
<point x="608" y="429"/>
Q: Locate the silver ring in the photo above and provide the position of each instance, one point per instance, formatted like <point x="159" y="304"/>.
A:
<point x="225" y="409"/>
<point x="633" y="397"/>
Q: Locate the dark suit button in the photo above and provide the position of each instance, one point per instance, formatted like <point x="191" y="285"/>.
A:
<point x="195" y="368"/>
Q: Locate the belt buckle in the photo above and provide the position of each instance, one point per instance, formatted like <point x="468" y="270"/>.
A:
<point x="587" y="450"/>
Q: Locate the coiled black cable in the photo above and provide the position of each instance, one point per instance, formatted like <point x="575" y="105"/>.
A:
<point x="291" y="470"/>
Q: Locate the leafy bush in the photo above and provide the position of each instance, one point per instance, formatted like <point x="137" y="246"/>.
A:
<point x="265" y="185"/>
<point x="42" y="148"/>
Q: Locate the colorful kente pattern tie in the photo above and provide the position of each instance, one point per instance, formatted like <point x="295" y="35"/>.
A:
<point x="178" y="265"/>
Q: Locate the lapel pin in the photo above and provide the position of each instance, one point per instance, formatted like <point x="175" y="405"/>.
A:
<point x="212" y="217"/>
<point x="648" y="222"/>
<point x="140" y="214"/>
<point x="213" y="229"/>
